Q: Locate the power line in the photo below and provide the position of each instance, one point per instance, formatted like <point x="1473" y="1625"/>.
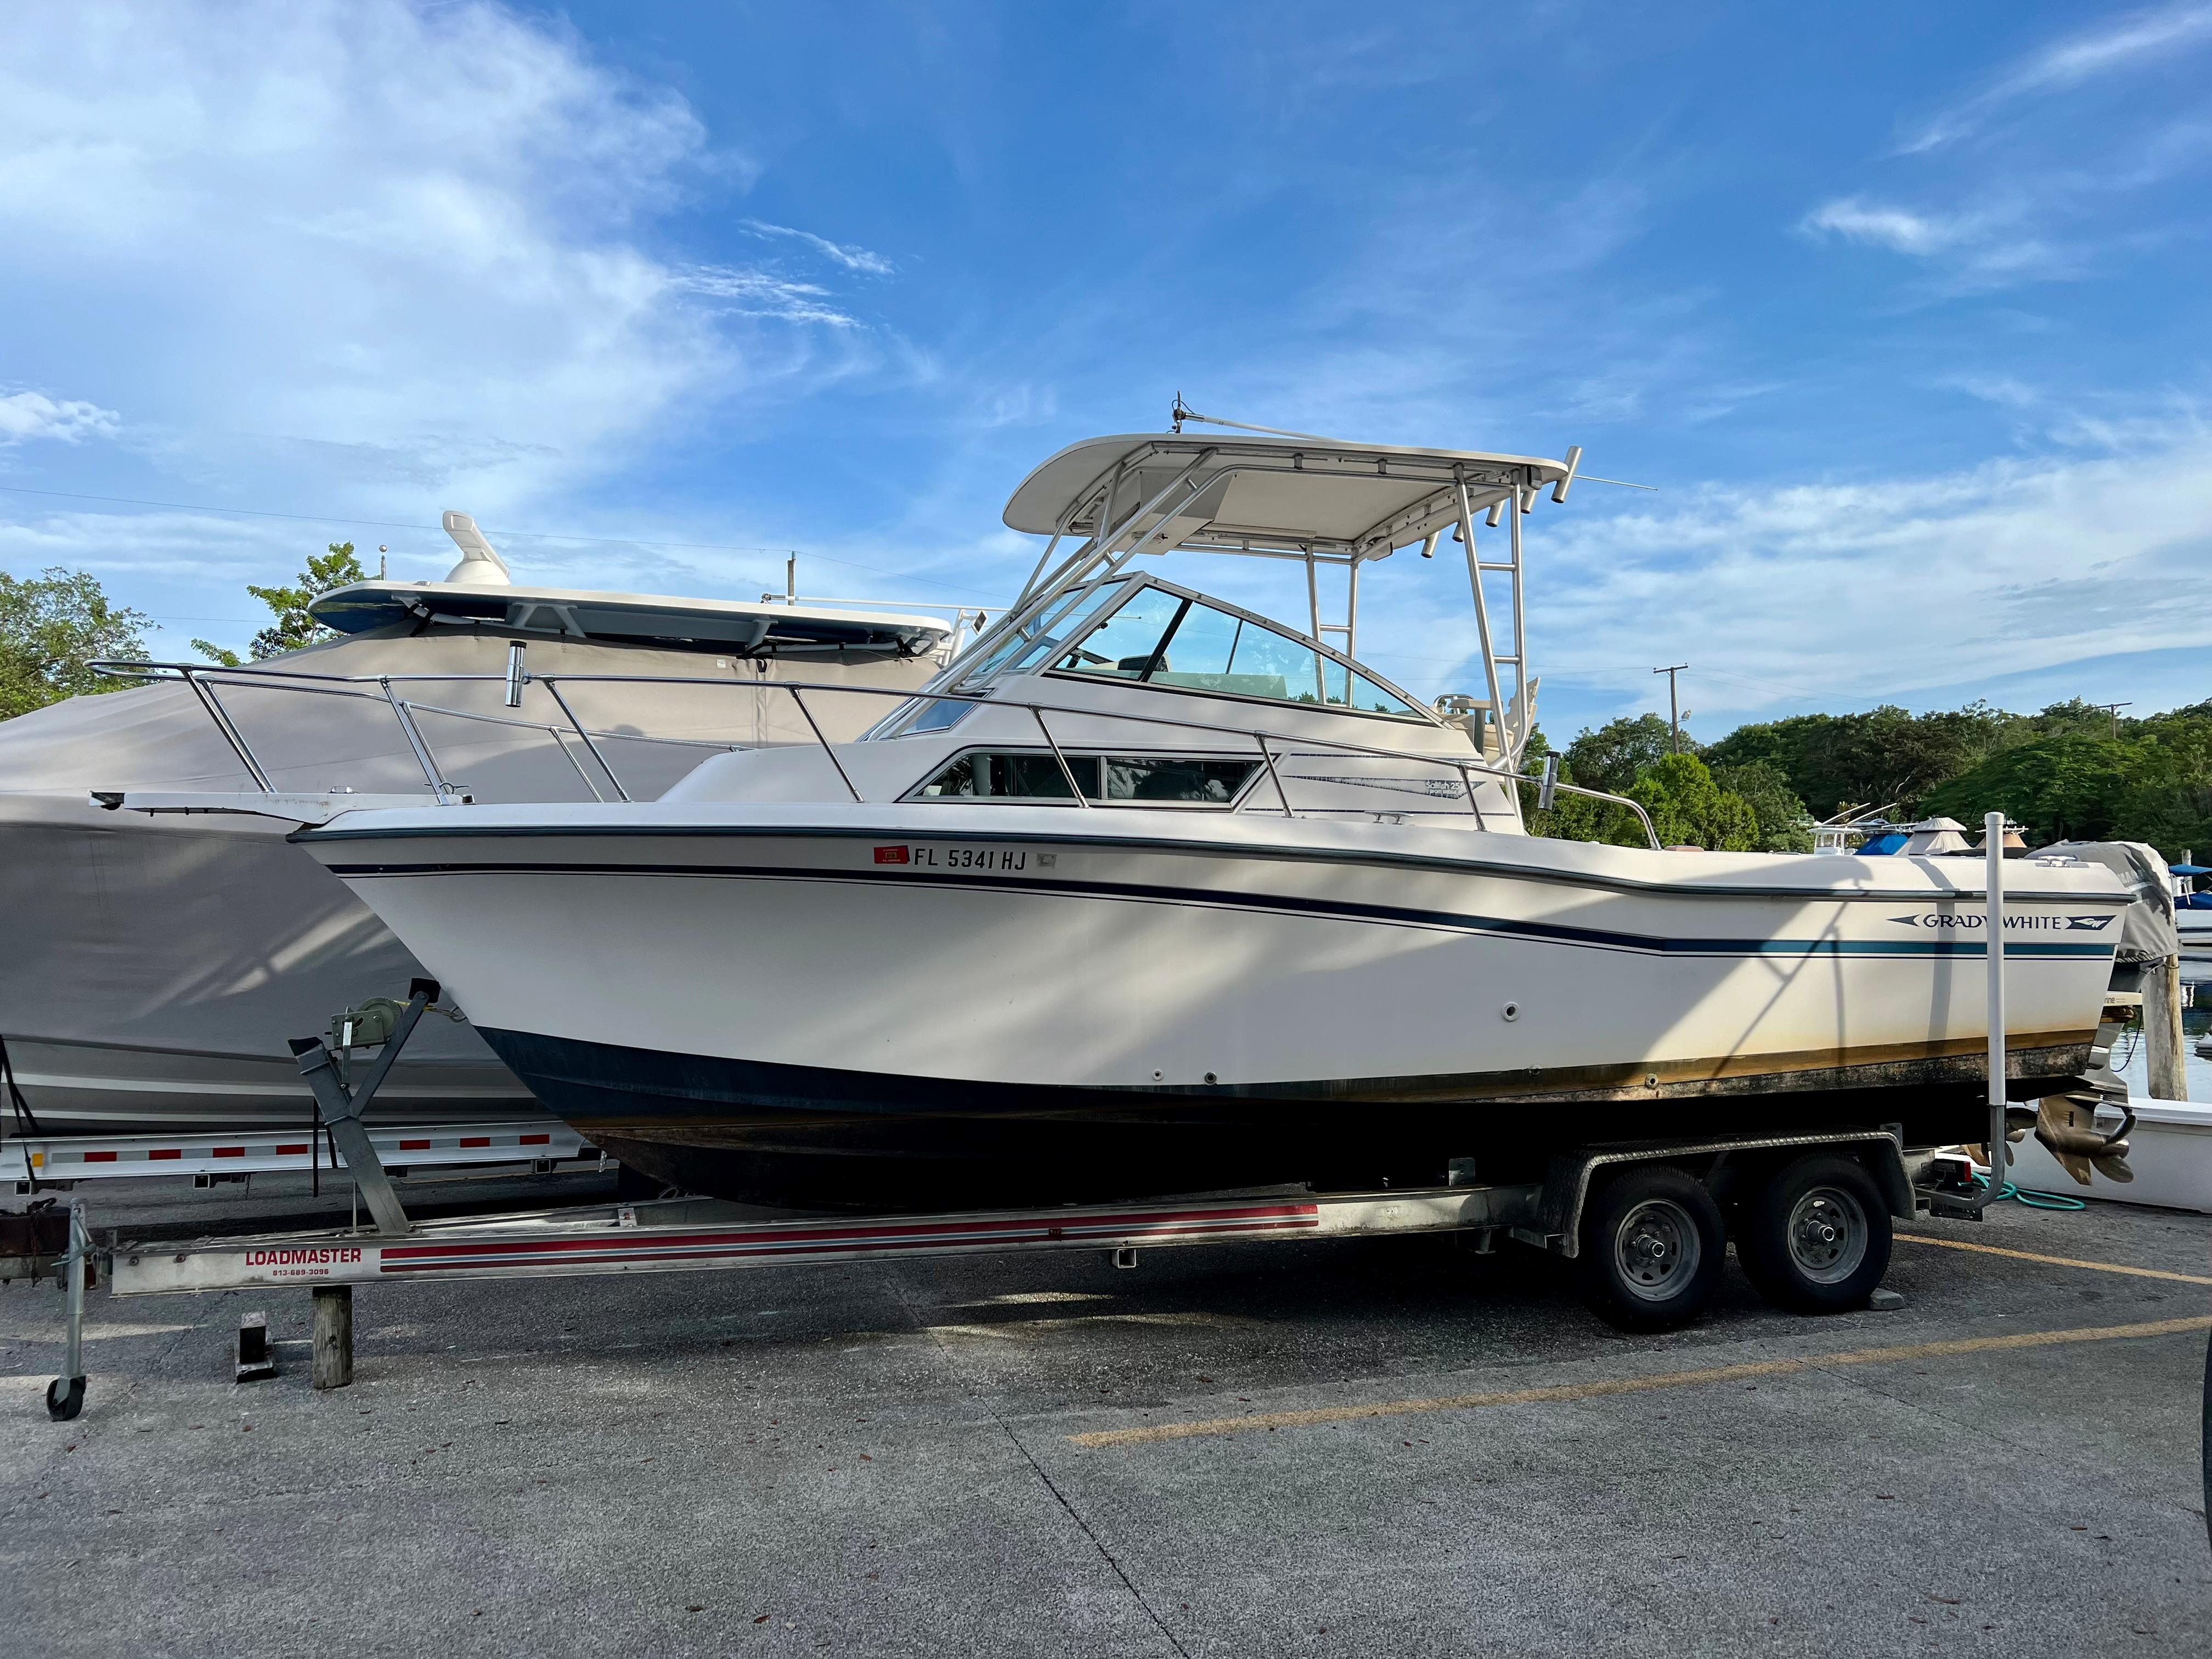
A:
<point x="528" y="535"/>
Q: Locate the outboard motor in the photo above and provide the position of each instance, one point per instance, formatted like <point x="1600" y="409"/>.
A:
<point x="2087" y="1126"/>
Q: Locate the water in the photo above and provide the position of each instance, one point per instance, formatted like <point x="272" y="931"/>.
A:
<point x="2128" y="1053"/>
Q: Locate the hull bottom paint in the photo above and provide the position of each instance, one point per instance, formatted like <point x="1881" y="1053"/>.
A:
<point x="821" y="1138"/>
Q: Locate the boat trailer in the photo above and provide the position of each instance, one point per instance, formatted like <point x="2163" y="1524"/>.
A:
<point x="1642" y="1220"/>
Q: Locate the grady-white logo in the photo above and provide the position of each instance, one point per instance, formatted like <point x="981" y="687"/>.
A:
<point x="1967" y="920"/>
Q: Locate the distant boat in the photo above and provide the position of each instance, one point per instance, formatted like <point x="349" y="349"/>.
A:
<point x="2193" y="911"/>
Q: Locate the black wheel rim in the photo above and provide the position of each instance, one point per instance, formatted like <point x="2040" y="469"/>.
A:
<point x="1827" y="1235"/>
<point x="1657" y="1249"/>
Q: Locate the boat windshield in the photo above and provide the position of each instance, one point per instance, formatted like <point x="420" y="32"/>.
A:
<point x="1163" y="638"/>
<point x="1042" y="638"/>
<point x="1024" y="647"/>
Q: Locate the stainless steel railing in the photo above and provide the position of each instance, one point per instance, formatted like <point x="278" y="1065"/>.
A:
<point x="205" y="678"/>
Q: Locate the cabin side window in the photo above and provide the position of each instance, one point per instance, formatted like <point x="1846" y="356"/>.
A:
<point x="1127" y="779"/>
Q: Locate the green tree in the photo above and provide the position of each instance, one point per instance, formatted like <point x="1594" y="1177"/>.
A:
<point x="2061" y="773"/>
<point x="1688" y="809"/>
<point x="1615" y="755"/>
<point x="2152" y="784"/>
<point x="1885" y="757"/>
<point x="1578" y="817"/>
<point x="2169" y="803"/>
<point x="1784" y="825"/>
<point x="293" y="629"/>
<point x="53" y="627"/>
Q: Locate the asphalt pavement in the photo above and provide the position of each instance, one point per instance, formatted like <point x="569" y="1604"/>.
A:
<point x="1374" y="1446"/>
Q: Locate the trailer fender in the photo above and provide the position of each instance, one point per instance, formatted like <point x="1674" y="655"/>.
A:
<point x="1574" y="1176"/>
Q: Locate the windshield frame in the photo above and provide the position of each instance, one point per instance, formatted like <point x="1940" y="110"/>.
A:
<point x="1137" y="584"/>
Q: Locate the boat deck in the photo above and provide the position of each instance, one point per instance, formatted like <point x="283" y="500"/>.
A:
<point x="1380" y="1445"/>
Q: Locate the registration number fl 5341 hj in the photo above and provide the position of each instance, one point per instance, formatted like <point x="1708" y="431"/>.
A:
<point x="955" y="858"/>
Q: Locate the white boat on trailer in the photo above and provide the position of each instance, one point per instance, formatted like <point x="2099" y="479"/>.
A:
<point x="1147" y="893"/>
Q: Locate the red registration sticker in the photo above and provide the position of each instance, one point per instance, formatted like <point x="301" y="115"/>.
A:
<point x="892" y="855"/>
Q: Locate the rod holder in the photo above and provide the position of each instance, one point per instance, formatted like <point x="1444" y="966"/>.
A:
<point x="1574" y="465"/>
<point x="517" y="675"/>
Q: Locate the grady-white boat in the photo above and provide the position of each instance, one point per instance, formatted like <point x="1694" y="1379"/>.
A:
<point x="1149" y="893"/>
<point x="153" y="967"/>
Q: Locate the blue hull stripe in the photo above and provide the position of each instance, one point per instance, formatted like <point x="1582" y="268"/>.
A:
<point x="1217" y="898"/>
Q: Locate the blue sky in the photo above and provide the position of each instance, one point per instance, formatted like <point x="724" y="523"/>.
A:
<point x="1902" y="307"/>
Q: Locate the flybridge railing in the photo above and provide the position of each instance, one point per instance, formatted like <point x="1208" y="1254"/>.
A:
<point x="204" y="677"/>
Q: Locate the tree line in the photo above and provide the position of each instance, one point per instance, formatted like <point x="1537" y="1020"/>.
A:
<point x="2072" y="772"/>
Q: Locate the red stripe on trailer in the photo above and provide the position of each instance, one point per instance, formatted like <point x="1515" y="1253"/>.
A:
<point x="606" y="1247"/>
<point x="301" y="1149"/>
<point x="476" y="1140"/>
<point x="534" y="1141"/>
<point x="99" y="1157"/>
<point x="226" y="1151"/>
<point x="414" y="1145"/>
<point x="166" y="1152"/>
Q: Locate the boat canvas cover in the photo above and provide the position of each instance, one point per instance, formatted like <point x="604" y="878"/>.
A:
<point x="204" y="935"/>
<point x="2146" y="930"/>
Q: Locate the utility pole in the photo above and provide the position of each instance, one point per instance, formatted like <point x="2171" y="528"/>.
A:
<point x="1673" y="709"/>
<point x="2113" y="709"/>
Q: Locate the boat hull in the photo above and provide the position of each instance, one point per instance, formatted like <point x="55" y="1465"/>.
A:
<point x="154" y="967"/>
<point x="820" y="1138"/>
<point x="796" y="1012"/>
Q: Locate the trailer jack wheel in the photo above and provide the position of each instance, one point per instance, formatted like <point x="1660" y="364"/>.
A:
<point x="1816" y="1238"/>
<point x="1651" y="1249"/>
<point x="65" y="1399"/>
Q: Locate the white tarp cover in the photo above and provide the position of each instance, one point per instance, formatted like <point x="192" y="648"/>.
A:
<point x="153" y="968"/>
<point x="2146" y="930"/>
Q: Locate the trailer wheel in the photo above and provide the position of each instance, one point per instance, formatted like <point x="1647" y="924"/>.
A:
<point x="1815" y="1239"/>
<point x="1652" y="1247"/>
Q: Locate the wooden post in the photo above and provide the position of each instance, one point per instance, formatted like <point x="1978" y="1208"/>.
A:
<point x="2162" y="1041"/>
<point x="333" y="1336"/>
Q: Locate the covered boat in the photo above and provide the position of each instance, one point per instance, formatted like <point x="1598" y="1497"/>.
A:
<point x="155" y="967"/>
<point x="1148" y="892"/>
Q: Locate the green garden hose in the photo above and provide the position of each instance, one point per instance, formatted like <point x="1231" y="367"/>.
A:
<point x="2033" y="1199"/>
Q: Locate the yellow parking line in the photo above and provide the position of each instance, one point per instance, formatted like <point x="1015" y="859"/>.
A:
<point x="2053" y="1260"/>
<point x="1638" y="1384"/>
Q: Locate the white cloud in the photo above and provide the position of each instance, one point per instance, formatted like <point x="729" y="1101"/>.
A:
<point x="757" y="294"/>
<point x="321" y="251"/>
<point x="1852" y="591"/>
<point x="853" y="259"/>
<point x="2071" y="62"/>
<point x="1889" y="227"/>
<point x="1984" y="249"/>
<point x="27" y="414"/>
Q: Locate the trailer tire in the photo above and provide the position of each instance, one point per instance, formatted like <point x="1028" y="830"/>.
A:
<point x="1651" y="1249"/>
<point x="1816" y="1238"/>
